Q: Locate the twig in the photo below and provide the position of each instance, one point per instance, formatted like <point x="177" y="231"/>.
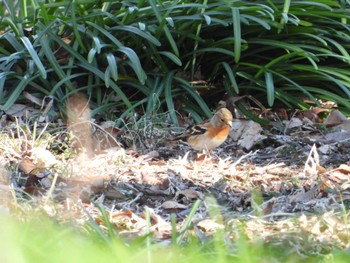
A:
<point x="240" y="159"/>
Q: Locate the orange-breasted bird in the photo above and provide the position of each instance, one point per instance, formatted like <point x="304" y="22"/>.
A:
<point x="209" y="134"/>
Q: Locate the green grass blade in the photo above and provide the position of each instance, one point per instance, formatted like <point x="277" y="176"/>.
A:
<point x="166" y="30"/>
<point x="13" y="41"/>
<point x="284" y="18"/>
<point x="106" y="33"/>
<point x="75" y="25"/>
<point x="237" y="33"/>
<point x="270" y="88"/>
<point x="169" y="98"/>
<point x="53" y="61"/>
<point x="18" y="90"/>
<point x="187" y="222"/>
<point x="231" y="76"/>
<point x="135" y="63"/>
<point x="171" y="56"/>
<point x="195" y="96"/>
<point x="107" y="77"/>
<point x="113" y="85"/>
<point x="138" y="32"/>
<point x="16" y="30"/>
<point x="66" y="80"/>
<point x="112" y="63"/>
<point x="34" y="56"/>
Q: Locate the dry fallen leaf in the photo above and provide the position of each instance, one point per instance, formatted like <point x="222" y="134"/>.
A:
<point x="191" y="194"/>
<point x="209" y="225"/>
<point x="173" y="205"/>
<point x="44" y="156"/>
<point x="247" y="133"/>
<point x="344" y="168"/>
<point x="20" y="110"/>
<point x="27" y="166"/>
<point x="293" y="123"/>
<point x="335" y="118"/>
<point x="337" y="136"/>
<point x="306" y="196"/>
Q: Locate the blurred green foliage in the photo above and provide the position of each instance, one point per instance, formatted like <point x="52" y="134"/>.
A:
<point x="144" y="55"/>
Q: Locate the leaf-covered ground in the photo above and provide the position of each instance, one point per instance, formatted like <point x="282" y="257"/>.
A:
<point x="285" y="185"/>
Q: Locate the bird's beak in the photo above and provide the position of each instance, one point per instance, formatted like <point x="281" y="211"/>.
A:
<point x="229" y="123"/>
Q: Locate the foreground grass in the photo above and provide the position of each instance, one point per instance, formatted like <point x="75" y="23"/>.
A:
<point x="42" y="240"/>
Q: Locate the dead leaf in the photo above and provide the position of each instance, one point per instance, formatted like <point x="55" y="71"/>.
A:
<point x="343" y="168"/>
<point x="338" y="177"/>
<point x="27" y="166"/>
<point x="312" y="114"/>
<point x="268" y="208"/>
<point x="335" y="118"/>
<point x="345" y="126"/>
<point x="282" y="114"/>
<point x="247" y="133"/>
<point x="306" y="196"/>
<point x="20" y="110"/>
<point x="150" y="155"/>
<point x="32" y="98"/>
<point x="293" y="123"/>
<point x="173" y="205"/>
<point x="324" y="149"/>
<point x="191" y="194"/>
<point x="106" y="136"/>
<point x="337" y="136"/>
<point x="202" y="157"/>
<point x="44" y="156"/>
<point x="209" y="225"/>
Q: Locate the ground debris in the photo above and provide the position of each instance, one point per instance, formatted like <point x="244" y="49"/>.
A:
<point x="293" y="181"/>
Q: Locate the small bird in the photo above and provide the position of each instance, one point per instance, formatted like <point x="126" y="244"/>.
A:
<point x="209" y="134"/>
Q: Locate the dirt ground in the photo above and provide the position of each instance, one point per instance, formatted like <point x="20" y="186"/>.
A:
<point x="289" y="183"/>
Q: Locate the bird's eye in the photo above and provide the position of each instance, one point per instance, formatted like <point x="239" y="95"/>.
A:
<point x="222" y="120"/>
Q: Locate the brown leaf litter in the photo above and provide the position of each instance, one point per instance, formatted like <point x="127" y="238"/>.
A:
<point x="291" y="186"/>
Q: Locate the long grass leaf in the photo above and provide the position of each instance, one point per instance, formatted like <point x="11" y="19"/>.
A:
<point x="342" y="50"/>
<point x="13" y="41"/>
<point x="187" y="222"/>
<point x="169" y="98"/>
<point x="23" y="9"/>
<point x="112" y="63"/>
<point x="34" y="56"/>
<point x="172" y="57"/>
<point x="106" y="33"/>
<point x="231" y="76"/>
<point x="165" y="27"/>
<point x="75" y="25"/>
<point x="139" y="32"/>
<point x="261" y="22"/>
<point x="113" y="85"/>
<point x="185" y="85"/>
<point x="270" y="88"/>
<point x="330" y="96"/>
<point x="284" y="18"/>
<point x="18" y="90"/>
<point x="66" y="80"/>
<point x="14" y="27"/>
<point x="135" y="63"/>
<point x="53" y="61"/>
<point x="237" y="33"/>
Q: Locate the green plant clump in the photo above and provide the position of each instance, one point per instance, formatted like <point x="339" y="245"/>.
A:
<point x="175" y="55"/>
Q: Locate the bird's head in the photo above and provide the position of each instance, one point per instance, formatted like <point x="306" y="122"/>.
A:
<point x="221" y="118"/>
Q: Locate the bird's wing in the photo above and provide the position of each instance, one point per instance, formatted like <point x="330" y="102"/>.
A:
<point x="192" y="131"/>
